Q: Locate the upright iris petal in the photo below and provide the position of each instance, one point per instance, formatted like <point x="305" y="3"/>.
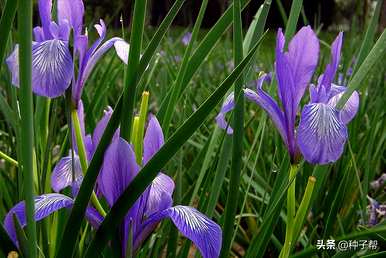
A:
<point x="73" y="12"/>
<point x="118" y="170"/>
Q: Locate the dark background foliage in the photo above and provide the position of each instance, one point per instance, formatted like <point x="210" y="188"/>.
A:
<point x="329" y="13"/>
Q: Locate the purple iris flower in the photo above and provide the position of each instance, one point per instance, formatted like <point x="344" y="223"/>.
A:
<point x="118" y="170"/>
<point x="186" y="38"/>
<point x="52" y="60"/>
<point x="322" y="130"/>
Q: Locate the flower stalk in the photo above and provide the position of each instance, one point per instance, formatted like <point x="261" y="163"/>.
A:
<point x="27" y="131"/>
<point x="83" y="157"/>
<point x="8" y="159"/>
<point x="291" y="207"/>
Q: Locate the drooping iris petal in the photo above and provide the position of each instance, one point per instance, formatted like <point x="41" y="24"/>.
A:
<point x="303" y="53"/>
<point x="71" y="11"/>
<point x="321" y="134"/>
<point x="148" y="226"/>
<point x="161" y="185"/>
<point x="45" y="7"/>
<point x="261" y="98"/>
<point x="88" y="65"/>
<point x="122" y="48"/>
<point x="332" y="67"/>
<point x="204" y="233"/>
<point x="118" y="170"/>
<point x="153" y="140"/>
<point x="228" y="105"/>
<point x="62" y="175"/>
<point x="351" y="107"/>
<point x="44" y="205"/>
<point x="52" y="68"/>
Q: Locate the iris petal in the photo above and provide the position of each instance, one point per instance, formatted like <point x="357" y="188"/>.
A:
<point x="118" y="170"/>
<point x="52" y="68"/>
<point x="261" y="98"/>
<point x="62" y="174"/>
<point x="161" y="185"/>
<point x="204" y="233"/>
<point x="71" y="11"/>
<point x="89" y="63"/>
<point x="122" y="48"/>
<point x="321" y="134"/>
<point x="303" y="53"/>
<point x="332" y="67"/>
<point x="350" y="109"/>
<point x="153" y="140"/>
<point x="227" y="106"/>
<point x="45" y="7"/>
<point x="44" y="206"/>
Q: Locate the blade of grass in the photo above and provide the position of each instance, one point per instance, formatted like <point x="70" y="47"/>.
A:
<point x="167" y="151"/>
<point x="177" y="85"/>
<point x="376" y="54"/>
<point x="74" y="222"/>
<point x="290" y="28"/>
<point x="238" y="135"/>
<point x="129" y="92"/>
<point x="26" y="107"/>
<point x="369" y="36"/>
<point x="202" y="51"/>
<point x="6" y="21"/>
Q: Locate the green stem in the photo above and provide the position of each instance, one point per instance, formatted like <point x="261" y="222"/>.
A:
<point x="290" y="27"/>
<point x="9" y="159"/>
<point x="83" y="157"/>
<point x="290" y="212"/>
<point x="303" y="209"/>
<point x="129" y="91"/>
<point x="237" y="147"/>
<point x="26" y="114"/>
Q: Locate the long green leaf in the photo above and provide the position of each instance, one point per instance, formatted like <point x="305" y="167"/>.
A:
<point x="176" y="88"/>
<point x="74" y="222"/>
<point x="26" y="107"/>
<point x="150" y="170"/>
<point x="6" y="21"/>
<point x="290" y="29"/>
<point x="238" y="135"/>
<point x="369" y="36"/>
<point x="129" y="92"/>
<point x="202" y="51"/>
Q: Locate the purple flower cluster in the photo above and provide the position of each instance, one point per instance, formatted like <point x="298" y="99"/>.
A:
<point x="118" y="170"/>
<point x="52" y="60"/>
<point x="322" y="131"/>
